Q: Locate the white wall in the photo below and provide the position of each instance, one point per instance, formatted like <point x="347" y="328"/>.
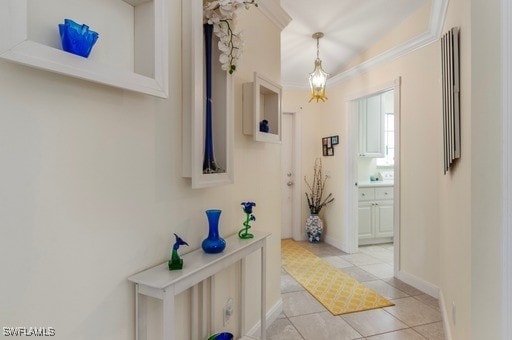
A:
<point x="486" y="186"/>
<point x="91" y="192"/>
<point x="456" y="192"/>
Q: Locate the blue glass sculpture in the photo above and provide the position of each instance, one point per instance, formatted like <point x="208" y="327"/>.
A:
<point x="213" y="243"/>
<point x="176" y="262"/>
<point x="221" y="336"/>
<point x="76" y="38"/>
<point x="247" y="208"/>
<point x="264" y="127"/>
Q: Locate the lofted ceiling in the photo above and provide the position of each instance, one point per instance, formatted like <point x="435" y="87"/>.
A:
<point x="350" y="28"/>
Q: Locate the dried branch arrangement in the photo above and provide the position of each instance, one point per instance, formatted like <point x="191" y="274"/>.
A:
<point x="316" y="188"/>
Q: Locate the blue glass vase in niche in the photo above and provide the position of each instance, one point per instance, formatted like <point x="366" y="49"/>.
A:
<point x="209" y="164"/>
<point x="76" y="38"/>
<point x="213" y="244"/>
<point x="221" y="336"/>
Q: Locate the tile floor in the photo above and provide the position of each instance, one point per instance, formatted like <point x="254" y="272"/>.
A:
<point x="414" y="316"/>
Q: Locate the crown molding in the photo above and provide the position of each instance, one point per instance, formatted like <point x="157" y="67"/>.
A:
<point x="295" y="86"/>
<point x="274" y="12"/>
<point x="432" y="34"/>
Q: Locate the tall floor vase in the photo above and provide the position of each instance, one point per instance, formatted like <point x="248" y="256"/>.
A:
<point x="209" y="165"/>
<point x="314" y="228"/>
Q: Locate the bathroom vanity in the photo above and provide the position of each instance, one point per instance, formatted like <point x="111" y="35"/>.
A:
<point x="375" y="212"/>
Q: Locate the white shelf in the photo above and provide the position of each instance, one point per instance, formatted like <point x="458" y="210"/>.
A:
<point x="161" y="283"/>
<point x="267" y="106"/>
<point x="149" y="71"/>
<point x="194" y="103"/>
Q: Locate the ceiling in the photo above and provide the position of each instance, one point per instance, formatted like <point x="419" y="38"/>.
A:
<point x="350" y="28"/>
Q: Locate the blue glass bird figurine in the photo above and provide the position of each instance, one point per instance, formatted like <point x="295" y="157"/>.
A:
<point x="176" y="262"/>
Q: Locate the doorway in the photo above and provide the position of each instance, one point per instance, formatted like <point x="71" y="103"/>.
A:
<point x="291" y="226"/>
<point x="373" y="187"/>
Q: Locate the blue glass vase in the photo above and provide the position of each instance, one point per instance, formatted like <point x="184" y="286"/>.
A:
<point x="76" y="38"/>
<point x="213" y="244"/>
<point x="221" y="336"/>
<point x="209" y="164"/>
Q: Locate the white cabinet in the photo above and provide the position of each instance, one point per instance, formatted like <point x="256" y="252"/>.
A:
<point x="371" y="127"/>
<point x="375" y="215"/>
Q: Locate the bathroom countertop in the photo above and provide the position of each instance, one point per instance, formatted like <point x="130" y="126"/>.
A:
<point x="369" y="184"/>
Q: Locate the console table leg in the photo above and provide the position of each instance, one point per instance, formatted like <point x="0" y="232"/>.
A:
<point x="242" y="297"/>
<point x="264" y="291"/>
<point x="168" y="315"/>
<point x="140" y="315"/>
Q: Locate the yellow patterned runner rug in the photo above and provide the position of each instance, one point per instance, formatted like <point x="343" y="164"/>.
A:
<point x="338" y="292"/>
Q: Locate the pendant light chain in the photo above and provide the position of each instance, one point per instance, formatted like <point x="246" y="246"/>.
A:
<point x="318" y="48"/>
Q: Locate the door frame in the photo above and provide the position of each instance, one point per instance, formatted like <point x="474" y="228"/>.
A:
<point x="351" y="177"/>
<point x="506" y="42"/>
<point x="297" y="233"/>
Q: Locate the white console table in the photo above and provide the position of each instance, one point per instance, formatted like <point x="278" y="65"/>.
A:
<point x="161" y="283"/>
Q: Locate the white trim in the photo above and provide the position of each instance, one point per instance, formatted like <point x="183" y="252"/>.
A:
<point x="437" y="17"/>
<point x="390" y="55"/>
<point x="336" y="243"/>
<point x="444" y="315"/>
<point x="432" y="34"/>
<point x="272" y="314"/>
<point x="351" y="198"/>
<point x="397" y="202"/>
<point x="297" y="233"/>
<point x="383" y="87"/>
<point x="506" y="10"/>
<point x="420" y="284"/>
<point x="296" y="86"/>
<point x="275" y="13"/>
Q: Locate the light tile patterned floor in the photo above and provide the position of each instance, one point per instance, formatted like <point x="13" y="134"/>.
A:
<point x="414" y="316"/>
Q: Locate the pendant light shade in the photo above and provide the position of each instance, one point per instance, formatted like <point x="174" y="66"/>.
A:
<point x="318" y="78"/>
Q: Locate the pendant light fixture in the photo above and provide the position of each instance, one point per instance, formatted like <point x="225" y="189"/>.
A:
<point x="318" y="78"/>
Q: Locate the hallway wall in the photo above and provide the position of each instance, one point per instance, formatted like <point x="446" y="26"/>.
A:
<point x="450" y="224"/>
<point x="91" y="192"/>
<point x="486" y="162"/>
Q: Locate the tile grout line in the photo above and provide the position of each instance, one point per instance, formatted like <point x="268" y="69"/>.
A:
<point x="293" y="325"/>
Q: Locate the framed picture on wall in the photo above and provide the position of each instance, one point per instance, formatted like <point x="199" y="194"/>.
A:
<point x="324" y="150"/>
<point x="330" y="151"/>
<point x="335" y="140"/>
<point x="324" y="140"/>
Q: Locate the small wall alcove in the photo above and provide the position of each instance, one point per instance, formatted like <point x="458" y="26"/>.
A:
<point x="262" y="101"/>
<point x="131" y="52"/>
<point x="194" y="103"/>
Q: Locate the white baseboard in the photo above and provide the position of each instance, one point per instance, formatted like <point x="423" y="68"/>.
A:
<point x="444" y="314"/>
<point x="420" y="284"/>
<point x="335" y="243"/>
<point x="272" y="314"/>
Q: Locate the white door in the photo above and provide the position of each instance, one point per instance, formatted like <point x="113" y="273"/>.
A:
<point x="287" y="176"/>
